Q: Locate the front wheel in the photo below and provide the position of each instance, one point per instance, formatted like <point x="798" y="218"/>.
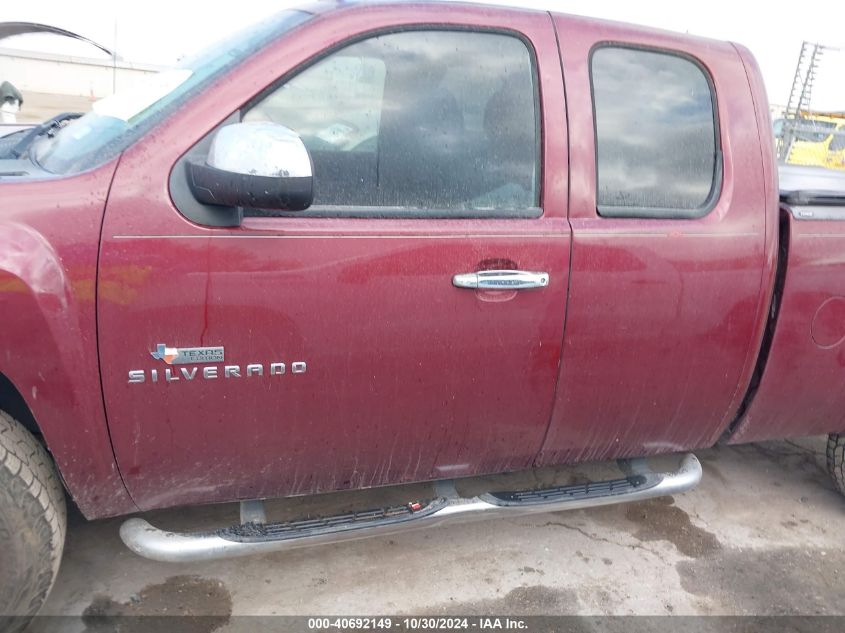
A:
<point x="836" y="459"/>
<point x="32" y="523"/>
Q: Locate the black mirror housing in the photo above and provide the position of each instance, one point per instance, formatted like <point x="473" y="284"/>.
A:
<point x="210" y="185"/>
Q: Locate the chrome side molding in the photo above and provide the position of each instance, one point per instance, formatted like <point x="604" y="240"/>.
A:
<point x="256" y="537"/>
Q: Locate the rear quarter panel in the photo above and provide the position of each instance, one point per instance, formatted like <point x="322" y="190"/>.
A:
<point x="802" y="388"/>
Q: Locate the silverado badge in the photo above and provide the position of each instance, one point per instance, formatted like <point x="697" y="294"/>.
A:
<point x="211" y="357"/>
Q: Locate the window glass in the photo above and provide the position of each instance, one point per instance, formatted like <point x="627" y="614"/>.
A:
<point x="436" y="120"/>
<point x="837" y="143"/>
<point x="354" y="89"/>
<point x="812" y="131"/>
<point x="655" y="134"/>
<point x="121" y="119"/>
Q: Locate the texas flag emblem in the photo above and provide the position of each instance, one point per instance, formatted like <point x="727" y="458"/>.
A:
<point x="167" y="354"/>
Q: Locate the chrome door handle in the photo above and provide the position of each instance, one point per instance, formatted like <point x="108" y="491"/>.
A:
<point x="501" y="280"/>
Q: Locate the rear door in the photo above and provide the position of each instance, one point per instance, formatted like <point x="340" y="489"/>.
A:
<point x="370" y="363"/>
<point x="672" y="258"/>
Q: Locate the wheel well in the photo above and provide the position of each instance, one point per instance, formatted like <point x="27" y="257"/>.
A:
<point x="12" y="402"/>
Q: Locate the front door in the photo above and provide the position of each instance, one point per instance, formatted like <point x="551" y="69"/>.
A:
<point x="334" y="348"/>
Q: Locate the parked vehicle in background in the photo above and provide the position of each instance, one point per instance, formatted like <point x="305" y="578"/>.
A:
<point x="813" y="140"/>
<point x="367" y="245"/>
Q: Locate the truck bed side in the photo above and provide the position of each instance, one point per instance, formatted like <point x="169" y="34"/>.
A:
<point x="800" y="390"/>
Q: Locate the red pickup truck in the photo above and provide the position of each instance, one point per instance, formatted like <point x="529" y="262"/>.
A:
<point x="367" y="245"/>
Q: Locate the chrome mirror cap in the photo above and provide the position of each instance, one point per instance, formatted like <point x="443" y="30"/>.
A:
<point x="260" y="148"/>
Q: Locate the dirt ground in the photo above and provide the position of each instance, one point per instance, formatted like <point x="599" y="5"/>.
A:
<point x="761" y="535"/>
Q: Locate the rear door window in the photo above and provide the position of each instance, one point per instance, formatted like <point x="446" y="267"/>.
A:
<point x="656" y="134"/>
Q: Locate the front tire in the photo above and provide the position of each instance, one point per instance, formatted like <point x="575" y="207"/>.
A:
<point x="836" y="460"/>
<point x="32" y="523"/>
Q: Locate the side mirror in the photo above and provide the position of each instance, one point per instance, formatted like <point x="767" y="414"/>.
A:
<point x="258" y="164"/>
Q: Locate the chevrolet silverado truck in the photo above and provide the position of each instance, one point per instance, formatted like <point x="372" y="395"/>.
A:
<point x="362" y="245"/>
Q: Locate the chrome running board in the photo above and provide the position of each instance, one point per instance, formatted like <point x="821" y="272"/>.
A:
<point x="253" y="536"/>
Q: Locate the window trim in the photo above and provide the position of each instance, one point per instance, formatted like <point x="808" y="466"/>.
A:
<point x="663" y="213"/>
<point x="404" y="213"/>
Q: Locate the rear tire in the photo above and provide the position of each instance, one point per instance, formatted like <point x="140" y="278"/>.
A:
<point x="32" y="523"/>
<point x="836" y="460"/>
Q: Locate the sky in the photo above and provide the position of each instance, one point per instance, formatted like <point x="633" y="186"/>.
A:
<point x="160" y="32"/>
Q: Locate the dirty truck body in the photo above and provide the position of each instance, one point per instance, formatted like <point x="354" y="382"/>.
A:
<point x="545" y="240"/>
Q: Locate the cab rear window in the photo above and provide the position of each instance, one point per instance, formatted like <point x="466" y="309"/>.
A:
<point x="656" y="134"/>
